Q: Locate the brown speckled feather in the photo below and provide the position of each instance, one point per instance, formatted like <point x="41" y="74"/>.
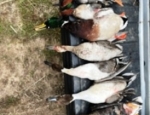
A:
<point x="67" y="12"/>
<point x="107" y="66"/>
<point x="115" y="110"/>
<point x="84" y="29"/>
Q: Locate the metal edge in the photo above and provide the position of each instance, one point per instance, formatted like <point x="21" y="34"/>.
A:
<point x="144" y="48"/>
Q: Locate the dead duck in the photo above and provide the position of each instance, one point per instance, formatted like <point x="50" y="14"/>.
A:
<point x="90" y="11"/>
<point x="104" y="26"/>
<point x="92" y="51"/>
<point x="96" y="71"/>
<point x="67" y="8"/>
<point x="93" y="71"/>
<point x="126" y="107"/>
<point x="104" y="2"/>
<point x="84" y="9"/>
<point x="107" y="91"/>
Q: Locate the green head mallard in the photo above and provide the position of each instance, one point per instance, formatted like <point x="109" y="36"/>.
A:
<point x="52" y="22"/>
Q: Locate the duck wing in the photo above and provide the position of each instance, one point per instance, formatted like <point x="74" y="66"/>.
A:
<point x="85" y="29"/>
<point x="113" y="75"/>
<point x="120" y="95"/>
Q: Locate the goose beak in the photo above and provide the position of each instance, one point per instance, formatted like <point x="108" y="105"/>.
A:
<point x="40" y="27"/>
<point x="119" y="2"/>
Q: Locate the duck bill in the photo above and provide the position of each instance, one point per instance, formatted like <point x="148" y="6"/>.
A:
<point x="119" y="2"/>
<point x="40" y="27"/>
<point x="51" y="99"/>
<point x="51" y="47"/>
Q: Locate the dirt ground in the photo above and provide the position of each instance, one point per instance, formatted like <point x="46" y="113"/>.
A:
<point x="25" y="82"/>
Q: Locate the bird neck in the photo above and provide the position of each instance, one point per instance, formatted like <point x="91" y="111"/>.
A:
<point x="54" y="22"/>
<point x="68" y="48"/>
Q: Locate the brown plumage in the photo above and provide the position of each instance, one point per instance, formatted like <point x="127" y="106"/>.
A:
<point x="84" y="29"/>
<point x="104" y="26"/>
<point x="65" y="3"/>
<point x="67" y="12"/>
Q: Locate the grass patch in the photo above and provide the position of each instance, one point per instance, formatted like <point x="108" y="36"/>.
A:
<point x="9" y="101"/>
<point x="35" y="12"/>
<point x="22" y="58"/>
<point x="50" y="54"/>
<point x="6" y="29"/>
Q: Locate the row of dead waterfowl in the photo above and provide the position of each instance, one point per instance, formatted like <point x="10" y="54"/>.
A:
<point x="100" y="26"/>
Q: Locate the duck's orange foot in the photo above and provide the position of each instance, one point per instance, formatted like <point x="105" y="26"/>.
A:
<point x="121" y="35"/>
<point x="119" y="2"/>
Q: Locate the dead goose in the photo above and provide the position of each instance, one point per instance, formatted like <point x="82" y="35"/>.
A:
<point x="106" y="91"/>
<point x="93" y="71"/>
<point x="92" y="51"/>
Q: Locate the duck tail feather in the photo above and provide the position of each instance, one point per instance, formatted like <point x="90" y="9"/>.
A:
<point x="120" y="60"/>
<point x="131" y="77"/>
<point x="138" y="100"/>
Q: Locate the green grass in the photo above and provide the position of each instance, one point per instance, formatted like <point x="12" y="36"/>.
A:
<point x="27" y="9"/>
<point x="6" y="29"/>
<point x="50" y="54"/>
<point x="9" y="101"/>
<point x="30" y="20"/>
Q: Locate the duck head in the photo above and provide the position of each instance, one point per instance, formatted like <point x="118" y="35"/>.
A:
<point x="62" y="100"/>
<point x="52" y="22"/>
<point x="133" y="108"/>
